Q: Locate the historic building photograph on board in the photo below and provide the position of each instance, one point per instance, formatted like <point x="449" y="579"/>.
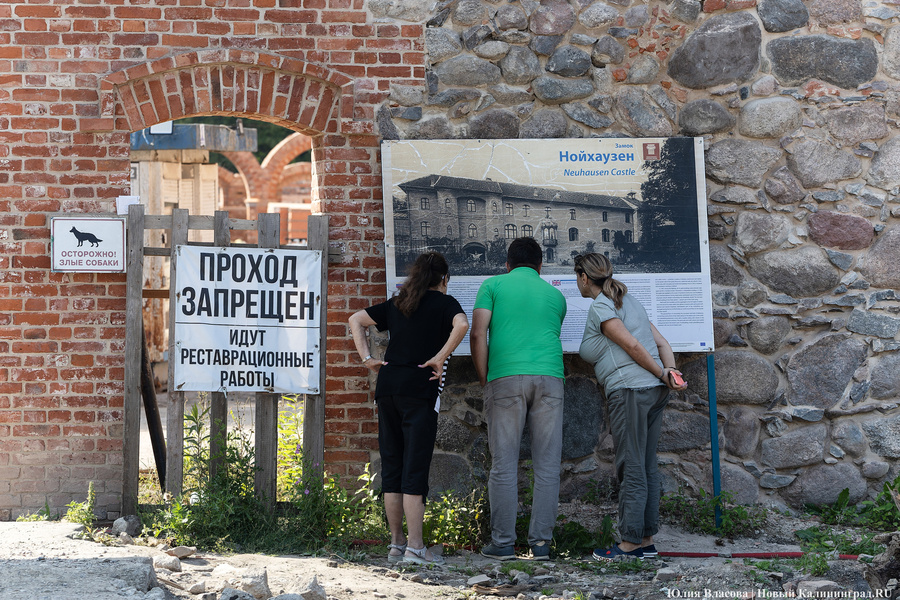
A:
<point x="636" y="201"/>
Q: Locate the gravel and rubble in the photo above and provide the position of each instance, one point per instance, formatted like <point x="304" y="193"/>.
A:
<point x="45" y="561"/>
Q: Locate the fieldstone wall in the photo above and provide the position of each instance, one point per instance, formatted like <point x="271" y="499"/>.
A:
<point x="798" y="103"/>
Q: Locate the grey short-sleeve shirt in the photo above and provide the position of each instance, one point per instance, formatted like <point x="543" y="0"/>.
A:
<point x="613" y="367"/>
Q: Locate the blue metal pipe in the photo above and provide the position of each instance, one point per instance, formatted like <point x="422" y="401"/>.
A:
<point x="714" y="434"/>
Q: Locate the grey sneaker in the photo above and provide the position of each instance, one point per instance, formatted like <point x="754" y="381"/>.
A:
<point x="540" y="551"/>
<point x="498" y="552"/>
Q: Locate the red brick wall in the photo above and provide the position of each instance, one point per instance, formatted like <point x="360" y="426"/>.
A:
<point x="75" y="80"/>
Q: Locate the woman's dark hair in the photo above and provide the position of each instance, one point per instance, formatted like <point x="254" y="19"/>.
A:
<point x="599" y="270"/>
<point x="425" y="273"/>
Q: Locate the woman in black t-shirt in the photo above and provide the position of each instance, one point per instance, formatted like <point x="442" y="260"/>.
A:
<point x="425" y="326"/>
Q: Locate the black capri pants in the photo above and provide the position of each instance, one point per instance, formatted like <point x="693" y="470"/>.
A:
<point x="407" y="428"/>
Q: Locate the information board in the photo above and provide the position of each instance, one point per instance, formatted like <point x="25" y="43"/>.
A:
<point x="247" y="319"/>
<point x="639" y="201"/>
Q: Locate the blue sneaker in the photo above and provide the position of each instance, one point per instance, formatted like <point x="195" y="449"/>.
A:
<point x="614" y="552"/>
<point x="650" y="551"/>
<point x="540" y="551"/>
<point x="498" y="552"/>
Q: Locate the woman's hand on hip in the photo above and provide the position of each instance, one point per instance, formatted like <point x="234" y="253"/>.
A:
<point x="374" y="364"/>
<point x="436" y="365"/>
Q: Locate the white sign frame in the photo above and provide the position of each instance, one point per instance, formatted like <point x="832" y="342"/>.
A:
<point x="87" y="244"/>
<point x="247" y="320"/>
<point x="567" y="178"/>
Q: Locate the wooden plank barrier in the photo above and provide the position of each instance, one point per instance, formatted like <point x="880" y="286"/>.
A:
<point x="179" y="224"/>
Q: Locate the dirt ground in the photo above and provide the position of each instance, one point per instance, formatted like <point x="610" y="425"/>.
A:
<point x="39" y="562"/>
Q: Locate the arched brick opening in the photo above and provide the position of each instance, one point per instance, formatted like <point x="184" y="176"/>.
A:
<point x="287" y="150"/>
<point x="234" y="188"/>
<point x="320" y="104"/>
<point x="278" y="159"/>
<point x="296" y="171"/>
<point x="250" y="171"/>
<point x="264" y="180"/>
<point x="282" y="90"/>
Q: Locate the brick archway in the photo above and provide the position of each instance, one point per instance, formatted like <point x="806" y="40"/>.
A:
<point x="297" y="95"/>
<point x="264" y="180"/>
<point x="336" y="114"/>
<point x="287" y="150"/>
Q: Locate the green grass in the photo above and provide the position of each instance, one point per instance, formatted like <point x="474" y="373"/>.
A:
<point x="313" y="512"/>
<point x="518" y="565"/>
<point x="699" y="514"/>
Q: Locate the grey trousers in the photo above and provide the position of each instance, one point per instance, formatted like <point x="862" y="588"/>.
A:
<point x="508" y="403"/>
<point x="635" y="419"/>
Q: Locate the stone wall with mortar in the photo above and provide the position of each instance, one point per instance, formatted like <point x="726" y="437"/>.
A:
<point x="798" y="104"/>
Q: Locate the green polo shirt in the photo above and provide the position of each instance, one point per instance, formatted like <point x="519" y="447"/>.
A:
<point x="526" y="318"/>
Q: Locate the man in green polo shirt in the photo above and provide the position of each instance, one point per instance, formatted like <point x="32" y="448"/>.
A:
<point x="518" y="356"/>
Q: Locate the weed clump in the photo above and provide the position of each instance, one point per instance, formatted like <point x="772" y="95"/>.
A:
<point x="880" y="514"/>
<point x="699" y="514"/>
<point x="313" y="512"/>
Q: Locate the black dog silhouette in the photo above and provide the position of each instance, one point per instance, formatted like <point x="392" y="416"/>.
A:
<point x="83" y="237"/>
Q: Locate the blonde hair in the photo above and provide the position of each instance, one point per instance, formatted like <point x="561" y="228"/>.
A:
<point x="599" y="270"/>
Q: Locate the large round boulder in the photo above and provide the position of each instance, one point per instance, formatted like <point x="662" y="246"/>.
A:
<point x="817" y="163"/>
<point x="740" y="161"/>
<point x="820" y="372"/>
<point x="724" y="49"/>
<point x="885" y="377"/>
<point x="882" y="263"/>
<point x="841" y="62"/>
<point x="704" y="116"/>
<point x="800" y="272"/>
<point x="741" y="378"/>
<point x="766" y="333"/>
<point x="798" y="448"/>
<point x="839" y="230"/>
<point x="759" y="231"/>
<point x="770" y="117"/>
<point x="821" y="485"/>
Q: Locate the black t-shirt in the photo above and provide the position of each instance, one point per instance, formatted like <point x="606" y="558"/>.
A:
<point x="413" y="341"/>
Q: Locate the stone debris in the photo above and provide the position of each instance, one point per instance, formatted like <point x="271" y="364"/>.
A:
<point x="181" y="551"/>
<point x="197" y="588"/>
<point x="170" y="563"/>
<point x="666" y="574"/>
<point x="62" y="568"/>
<point x="256" y="583"/>
<point x="313" y="590"/>
<point x="233" y="594"/>
<point x="478" y="580"/>
<point x="130" y="524"/>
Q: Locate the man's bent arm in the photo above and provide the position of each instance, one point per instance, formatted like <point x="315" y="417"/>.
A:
<point x="481" y="318"/>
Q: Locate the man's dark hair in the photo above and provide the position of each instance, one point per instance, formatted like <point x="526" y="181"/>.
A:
<point x="524" y="252"/>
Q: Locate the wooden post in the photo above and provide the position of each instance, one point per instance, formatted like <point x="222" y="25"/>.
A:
<point x="266" y="441"/>
<point x="314" y="404"/>
<point x="175" y="401"/>
<point x="133" y="344"/>
<point x="151" y="411"/>
<point x="218" y="410"/>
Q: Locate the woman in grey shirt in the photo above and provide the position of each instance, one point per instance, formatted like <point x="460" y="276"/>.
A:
<point x="630" y="359"/>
